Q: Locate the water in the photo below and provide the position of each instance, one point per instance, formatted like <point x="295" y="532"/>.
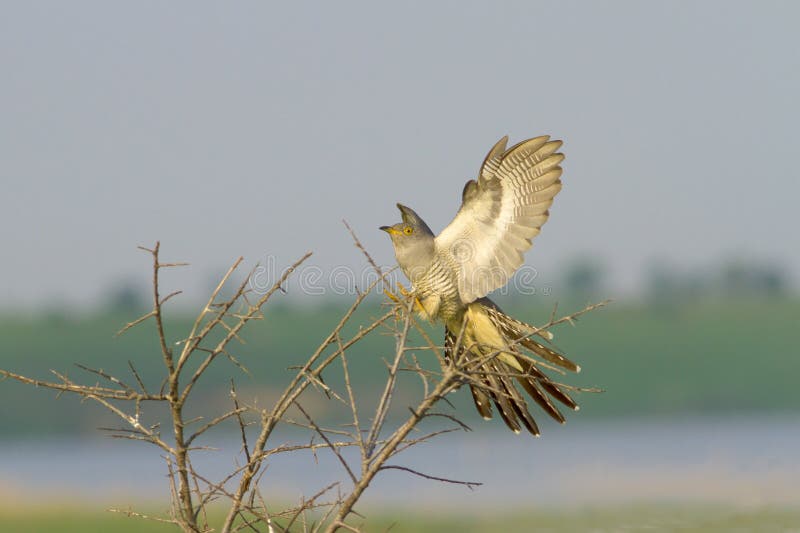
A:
<point x="746" y="461"/>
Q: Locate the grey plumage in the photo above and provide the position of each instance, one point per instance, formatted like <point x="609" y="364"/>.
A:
<point x="477" y="253"/>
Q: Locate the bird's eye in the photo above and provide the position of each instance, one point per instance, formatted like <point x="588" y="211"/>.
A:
<point x="408" y="230"/>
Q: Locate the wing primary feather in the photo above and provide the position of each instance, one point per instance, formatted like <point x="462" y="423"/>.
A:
<point x="501" y="212"/>
<point x="491" y="162"/>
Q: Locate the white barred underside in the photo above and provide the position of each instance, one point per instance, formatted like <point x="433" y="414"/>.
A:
<point x="437" y="290"/>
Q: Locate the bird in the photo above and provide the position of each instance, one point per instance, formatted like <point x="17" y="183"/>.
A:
<point x="453" y="272"/>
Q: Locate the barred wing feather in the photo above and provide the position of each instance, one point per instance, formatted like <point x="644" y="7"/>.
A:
<point x="500" y="213"/>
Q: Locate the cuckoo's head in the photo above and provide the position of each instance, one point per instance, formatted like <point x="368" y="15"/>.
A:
<point x="410" y="229"/>
<point x="412" y="238"/>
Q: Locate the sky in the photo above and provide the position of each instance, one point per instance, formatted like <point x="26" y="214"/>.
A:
<point x="253" y="128"/>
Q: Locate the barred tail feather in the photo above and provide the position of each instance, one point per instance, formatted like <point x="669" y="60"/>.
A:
<point x="479" y="395"/>
<point x="541" y="398"/>
<point x="500" y="341"/>
<point x="517" y="331"/>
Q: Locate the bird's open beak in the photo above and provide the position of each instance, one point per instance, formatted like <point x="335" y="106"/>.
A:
<point x="388" y="229"/>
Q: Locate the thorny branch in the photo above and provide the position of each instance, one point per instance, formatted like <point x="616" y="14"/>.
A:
<point x="220" y="321"/>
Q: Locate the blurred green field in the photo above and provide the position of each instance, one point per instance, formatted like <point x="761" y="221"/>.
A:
<point x="623" y="518"/>
<point x="722" y="356"/>
<point x="711" y="357"/>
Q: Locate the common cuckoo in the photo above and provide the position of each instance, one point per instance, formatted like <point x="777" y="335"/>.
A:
<point x="476" y="253"/>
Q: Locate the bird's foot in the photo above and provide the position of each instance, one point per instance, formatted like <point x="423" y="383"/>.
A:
<point x="418" y="307"/>
<point x="404" y="294"/>
<point x="391" y="296"/>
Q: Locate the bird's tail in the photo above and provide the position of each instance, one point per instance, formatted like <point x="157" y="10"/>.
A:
<point x="491" y="345"/>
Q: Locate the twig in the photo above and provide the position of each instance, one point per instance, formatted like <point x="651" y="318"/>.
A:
<point x="327" y="441"/>
<point x="470" y="484"/>
<point x="218" y="324"/>
<point x="386" y="397"/>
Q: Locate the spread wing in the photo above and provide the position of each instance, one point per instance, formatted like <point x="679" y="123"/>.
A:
<point x="500" y="213"/>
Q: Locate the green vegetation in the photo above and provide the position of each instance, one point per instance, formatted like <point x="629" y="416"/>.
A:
<point x="613" y="518"/>
<point x="75" y="520"/>
<point x="707" y="357"/>
<point x="712" y="356"/>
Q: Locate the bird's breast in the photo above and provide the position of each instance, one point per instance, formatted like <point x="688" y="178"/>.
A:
<point x="438" y="284"/>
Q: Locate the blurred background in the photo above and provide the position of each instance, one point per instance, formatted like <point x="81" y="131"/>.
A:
<point x="254" y="129"/>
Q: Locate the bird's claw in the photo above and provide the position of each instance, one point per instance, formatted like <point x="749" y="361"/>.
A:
<point x="391" y="296"/>
<point x="404" y="294"/>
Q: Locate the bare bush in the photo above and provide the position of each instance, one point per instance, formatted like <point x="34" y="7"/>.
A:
<point x="211" y="337"/>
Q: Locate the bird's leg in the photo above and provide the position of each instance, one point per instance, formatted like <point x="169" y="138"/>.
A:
<point x="405" y="293"/>
<point x="418" y="307"/>
<point x="391" y="296"/>
<point x="396" y="299"/>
